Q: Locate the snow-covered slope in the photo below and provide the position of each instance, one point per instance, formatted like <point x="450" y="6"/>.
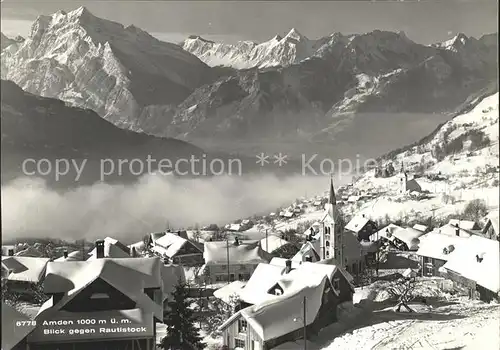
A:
<point x="120" y="72"/>
<point x="457" y="163"/>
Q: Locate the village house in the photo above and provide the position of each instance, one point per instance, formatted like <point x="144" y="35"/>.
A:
<point x="435" y="250"/>
<point x="14" y="336"/>
<point x="278" y="301"/>
<point x="476" y="267"/>
<point x="112" y="249"/>
<point x="491" y="227"/>
<point x="362" y="227"/>
<point x="229" y="261"/>
<point x="22" y="274"/>
<point x="124" y="296"/>
<point x="402" y="238"/>
<point x="178" y="249"/>
<point x="327" y="239"/>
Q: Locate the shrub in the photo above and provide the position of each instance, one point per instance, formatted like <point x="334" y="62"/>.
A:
<point x="475" y="210"/>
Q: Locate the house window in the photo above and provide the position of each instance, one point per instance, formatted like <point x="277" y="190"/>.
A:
<point x="336" y="284"/>
<point x="242" y="326"/>
<point x="239" y="344"/>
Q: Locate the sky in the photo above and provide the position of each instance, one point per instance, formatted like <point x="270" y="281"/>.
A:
<point x="423" y="21"/>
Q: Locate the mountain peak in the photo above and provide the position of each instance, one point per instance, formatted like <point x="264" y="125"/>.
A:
<point x="294" y="34"/>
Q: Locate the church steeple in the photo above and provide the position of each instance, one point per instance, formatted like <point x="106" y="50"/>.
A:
<point x="332" y="200"/>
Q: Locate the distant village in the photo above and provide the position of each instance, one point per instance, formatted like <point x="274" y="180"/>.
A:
<point x="257" y="283"/>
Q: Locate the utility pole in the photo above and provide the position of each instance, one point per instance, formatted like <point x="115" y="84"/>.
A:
<point x="228" y="273"/>
<point x="305" y="325"/>
<point x="267" y="243"/>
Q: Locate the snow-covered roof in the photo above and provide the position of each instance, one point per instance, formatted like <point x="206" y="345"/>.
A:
<point x="332" y="267"/>
<point x="284" y="314"/>
<point x="77" y="255"/>
<point x="494" y="218"/>
<point x="438" y="246"/>
<point x="408" y="235"/>
<point x="311" y="249"/>
<point x="64" y="276"/>
<point x="478" y="261"/>
<point x="232" y="289"/>
<point x="273" y="243"/>
<point x="24" y="268"/>
<point x="12" y="333"/>
<point x="246" y="252"/>
<point x="464" y="224"/>
<point x="171" y="243"/>
<point x="155" y="235"/>
<point x="451" y="230"/>
<point x="420" y="227"/>
<point x="112" y="249"/>
<point x="357" y="223"/>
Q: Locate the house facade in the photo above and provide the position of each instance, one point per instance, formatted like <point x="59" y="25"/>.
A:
<point x="230" y="261"/>
<point x="279" y="300"/>
<point x="435" y="250"/>
<point x="177" y="248"/>
<point x="475" y="267"/>
<point x="103" y="304"/>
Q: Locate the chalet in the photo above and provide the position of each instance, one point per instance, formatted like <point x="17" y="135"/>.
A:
<point x="327" y="239"/>
<point x="276" y="245"/>
<point x="280" y="300"/>
<point x="362" y="227"/>
<point x="476" y="268"/>
<point x="465" y="224"/>
<point x="403" y="238"/>
<point x="491" y="227"/>
<point x="178" y="249"/>
<point x="233" y="261"/>
<point x="103" y="304"/>
<point x="13" y="336"/>
<point x="112" y="249"/>
<point x="23" y="273"/>
<point x="435" y="250"/>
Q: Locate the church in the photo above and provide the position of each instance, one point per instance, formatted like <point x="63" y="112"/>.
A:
<point x="407" y="183"/>
<point x="327" y="240"/>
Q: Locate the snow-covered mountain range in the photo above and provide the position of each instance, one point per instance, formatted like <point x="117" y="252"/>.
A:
<point x="119" y="72"/>
<point x="292" y="87"/>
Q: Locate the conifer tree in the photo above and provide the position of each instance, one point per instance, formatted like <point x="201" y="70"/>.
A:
<point x="182" y="334"/>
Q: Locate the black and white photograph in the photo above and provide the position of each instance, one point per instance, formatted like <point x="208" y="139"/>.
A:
<point x="250" y="175"/>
